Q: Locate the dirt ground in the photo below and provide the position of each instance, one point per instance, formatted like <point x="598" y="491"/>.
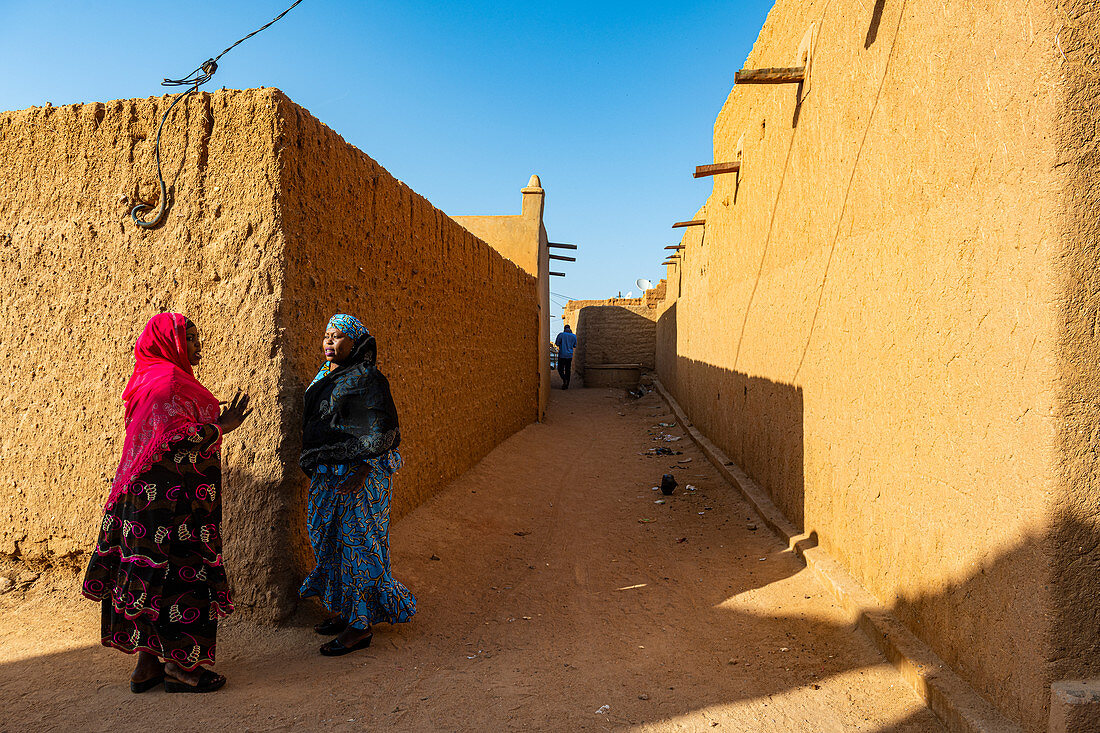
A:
<point x="554" y="594"/>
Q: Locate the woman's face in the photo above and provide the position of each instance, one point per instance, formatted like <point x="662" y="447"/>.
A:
<point x="337" y="345"/>
<point x="194" y="344"/>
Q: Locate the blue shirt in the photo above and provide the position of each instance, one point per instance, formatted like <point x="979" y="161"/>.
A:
<point x="566" y="342"/>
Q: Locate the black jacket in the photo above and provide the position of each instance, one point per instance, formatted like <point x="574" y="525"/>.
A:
<point x="349" y="413"/>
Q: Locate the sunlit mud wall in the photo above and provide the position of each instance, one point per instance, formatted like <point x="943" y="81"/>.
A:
<point x="457" y="323"/>
<point x="890" y="318"/>
<point x="276" y="224"/>
<point x="521" y="239"/>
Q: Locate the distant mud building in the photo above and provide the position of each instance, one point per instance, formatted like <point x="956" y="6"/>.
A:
<point x="615" y="330"/>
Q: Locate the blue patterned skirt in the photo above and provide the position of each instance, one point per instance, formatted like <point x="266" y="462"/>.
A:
<point x="350" y="538"/>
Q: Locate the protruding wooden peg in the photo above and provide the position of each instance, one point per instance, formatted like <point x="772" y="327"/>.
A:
<point x="792" y="75"/>
<point x="557" y="274"/>
<point x="558" y="245"/>
<point x="563" y="258"/>
<point x="692" y="223"/>
<point x="716" y="168"/>
<point x="675" y="246"/>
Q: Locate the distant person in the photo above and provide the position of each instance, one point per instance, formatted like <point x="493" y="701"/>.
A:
<point x="349" y="451"/>
<point x="566" y="342"/>
<point x="157" y="566"/>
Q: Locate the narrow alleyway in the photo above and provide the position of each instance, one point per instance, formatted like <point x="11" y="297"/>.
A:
<point x="554" y="593"/>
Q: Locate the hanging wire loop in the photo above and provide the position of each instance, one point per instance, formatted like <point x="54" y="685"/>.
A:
<point x="162" y="206"/>
<point x="195" y="79"/>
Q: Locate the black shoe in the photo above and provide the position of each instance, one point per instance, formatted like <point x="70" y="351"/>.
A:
<point x="332" y="626"/>
<point x="335" y="649"/>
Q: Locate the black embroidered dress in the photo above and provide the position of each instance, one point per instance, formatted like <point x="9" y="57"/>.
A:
<point x="157" y="567"/>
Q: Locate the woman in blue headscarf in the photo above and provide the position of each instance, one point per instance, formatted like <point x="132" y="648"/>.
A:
<point x="349" y="451"/>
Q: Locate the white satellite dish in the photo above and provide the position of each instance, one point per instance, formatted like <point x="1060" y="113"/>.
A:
<point x="629" y="294"/>
<point x="643" y="284"/>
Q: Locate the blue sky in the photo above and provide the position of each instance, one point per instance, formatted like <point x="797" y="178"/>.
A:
<point x="611" y="103"/>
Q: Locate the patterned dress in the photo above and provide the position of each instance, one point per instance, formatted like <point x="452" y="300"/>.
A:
<point x="157" y="567"/>
<point x="350" y="537"/>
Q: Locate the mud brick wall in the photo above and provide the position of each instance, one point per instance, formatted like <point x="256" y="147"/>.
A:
<point x="80" y="281"/>
<point x="613" y="334"/>
<point x="889" y="319"/>
<point x="615" y="330"/>
<point x="456" y="322"/>
<point x="276" y="224"/>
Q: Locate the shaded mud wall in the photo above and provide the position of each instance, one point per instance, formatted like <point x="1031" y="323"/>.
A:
<point x="1074" y="535"/>
<point x="456" y="322"/>
<point x="277" y="223"/>
<point x="571" y="312"/>
<point x="889" y="318"/>
<point x="615" y="330"/>
<point x="612" y="334"/>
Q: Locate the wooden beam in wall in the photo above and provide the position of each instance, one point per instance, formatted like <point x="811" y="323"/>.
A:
<point x="692" y="223"/>
<point x="563" y="258"/>
<point x="675" y="246"/>
<point x="717" y="168"/>
<point x="557" y="274"/>
<point x="558" y="245"/>
<point x="792" y="75"/>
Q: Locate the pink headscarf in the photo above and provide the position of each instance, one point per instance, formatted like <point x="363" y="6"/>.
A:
<point x="164" y="401"/>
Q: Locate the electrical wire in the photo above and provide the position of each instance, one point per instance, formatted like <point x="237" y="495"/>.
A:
<point x="195" y="79"/>
<point x="261" y="28"/>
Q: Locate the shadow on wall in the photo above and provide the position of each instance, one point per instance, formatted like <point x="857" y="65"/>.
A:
<point x="1070" y="640"/>
<point x="876" y="20"/>
<point x="758" y="422"/>
<point x="759" y="425"/>
<point x="1069" y="643"/>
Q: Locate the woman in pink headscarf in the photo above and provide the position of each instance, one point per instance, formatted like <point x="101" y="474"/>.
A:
<point x="157" y="567"/>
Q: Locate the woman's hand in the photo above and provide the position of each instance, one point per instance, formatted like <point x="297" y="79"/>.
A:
<point x="353" y="481"/>
<point x="235" y="413"/>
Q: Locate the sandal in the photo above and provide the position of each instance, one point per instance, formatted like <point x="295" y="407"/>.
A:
<point x="335" y="649"/>
<point x="145" y="685"/>
<point x="331" y="627"/>
<point x="208" y="682"/>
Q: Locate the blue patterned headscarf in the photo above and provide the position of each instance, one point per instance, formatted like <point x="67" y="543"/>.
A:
<point x="347" y="325"/>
